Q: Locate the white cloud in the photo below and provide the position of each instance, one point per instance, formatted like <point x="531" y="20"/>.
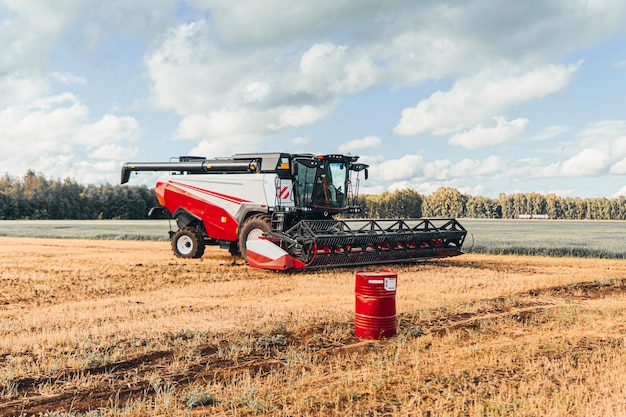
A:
<point x="31" y="30"/>
<point x="258" y="23"/>
<point x="67" y="78"/>
<point x="219" y="148"/>
<point x="618" y="147"/>
<point x="619" y="168"/>
<point x="222" y="124"/>
<point x="548" y="133"/>
<point x="474" y="99"/>
<point x="588" y="162"/>
<point x="491" y="166"/>
<point x="238" y="73"/>
<point x="256" y="91"/>
<point x="290" y="63"/>
<point x="113" y="151"/>
<point x="481" y="136"/>
<point x="108" y="129"/>
<point x="464" y="168"/>
<point x="438" y="170"/>
<point x="54" y="134"/>
<point x="403" y="168"/>
<point x="22" y="86"/>
<point x="43" y="125"/>
<point x="601" y="132"/>
<point x="621" y="192"/>
<point x="296" y="116"/>
<point x="357" y="145"/>
<point x="217" y="93"/>
<point x="329" y="70"/>
<point x="298" y="141"/>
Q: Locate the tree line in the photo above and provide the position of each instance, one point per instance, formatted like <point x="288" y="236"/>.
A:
<point x="36" y="197"/>
<point x="449" y="202"/>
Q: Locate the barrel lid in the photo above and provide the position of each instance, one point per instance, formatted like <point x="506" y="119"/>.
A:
<point x="378" y="273"/>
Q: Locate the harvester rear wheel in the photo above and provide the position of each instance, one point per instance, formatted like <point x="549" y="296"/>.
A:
<point x="188" y="243"/>
<point x="253" y="227"/>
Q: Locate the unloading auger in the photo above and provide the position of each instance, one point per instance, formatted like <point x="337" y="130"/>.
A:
<point x="280" y="211"/>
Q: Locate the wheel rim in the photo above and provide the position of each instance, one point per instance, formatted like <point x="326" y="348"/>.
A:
<point x="254" y="234"/>
<point x="184" y="245"/>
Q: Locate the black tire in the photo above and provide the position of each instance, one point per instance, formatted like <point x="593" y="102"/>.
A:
<point x="233" y="249"/>
<point x="188" y="243"/>
<point x="251" y="229"/>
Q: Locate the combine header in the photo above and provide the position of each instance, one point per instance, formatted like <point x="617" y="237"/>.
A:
<point x="277" y="210"/>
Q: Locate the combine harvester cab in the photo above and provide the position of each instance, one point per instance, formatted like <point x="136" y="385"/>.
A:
<point x="281" y="211"/>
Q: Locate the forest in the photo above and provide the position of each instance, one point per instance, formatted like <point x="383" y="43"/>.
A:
<point x="36" y="197"/>
<point x="39" y="198"/>
<point x="449" y="202"/>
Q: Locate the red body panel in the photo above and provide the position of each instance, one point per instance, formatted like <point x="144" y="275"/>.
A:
<point x="218" y="222"/>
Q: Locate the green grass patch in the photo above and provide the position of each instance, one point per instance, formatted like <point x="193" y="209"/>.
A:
<point x="558" y="238"/>
<point x="156" y="230"/>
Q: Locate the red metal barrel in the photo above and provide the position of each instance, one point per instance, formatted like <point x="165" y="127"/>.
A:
<point x="375" y="309"/>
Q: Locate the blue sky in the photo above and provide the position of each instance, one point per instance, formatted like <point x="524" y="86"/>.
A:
<point x="486" y="97"/>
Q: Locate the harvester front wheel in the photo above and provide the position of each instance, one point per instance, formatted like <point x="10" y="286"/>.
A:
<point x="188" y="243"/>
<point x="252" y="228"/>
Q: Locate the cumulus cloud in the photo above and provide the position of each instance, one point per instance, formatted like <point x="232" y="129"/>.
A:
<point x="403" y="168"/>
<point x="32" y="28"/>
<point x="549" y="132"/>
<point x="618" y="147"/>
<point x="234" y="74"/>
<point x="299" y="64"/>
<point x="327" y="69"/>
<point x="56" y="135"/>
<point x="22" y="86"/>
<point x="588" y="162"/>
<point x="357" y="145"/>
<point x="219" y="148"/>
<point x="296" y="116"/>
<point x="221" y="124"/>
<point x="619" y="168"/>
<point x="481" y="136"/>
<point x="474" y="99"/>
<point x="298" y="141"/>
<point x="67" y="78"/>
<point x="192" y="75"/>
<point x="438" y="169"/>
<point x="489" y="167"/>
<point x="601" y="132"/>
<point x="598" y="148"/>
<point x="108" y="129"/>
<point x="620" y="192"/>
<point x="113" y="152"/>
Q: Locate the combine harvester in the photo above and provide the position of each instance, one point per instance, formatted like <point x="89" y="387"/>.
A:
<point x="279" y="211"/>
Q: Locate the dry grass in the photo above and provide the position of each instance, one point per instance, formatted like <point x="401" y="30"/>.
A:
<point x="118" y="328"/>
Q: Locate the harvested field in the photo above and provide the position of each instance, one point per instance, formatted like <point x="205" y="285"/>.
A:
<point x="122" y="328"/>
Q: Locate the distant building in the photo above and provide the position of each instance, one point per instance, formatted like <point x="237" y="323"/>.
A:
<point x="534" y="216"/>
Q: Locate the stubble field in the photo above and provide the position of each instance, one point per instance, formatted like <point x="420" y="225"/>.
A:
<point x="123" y="328"/>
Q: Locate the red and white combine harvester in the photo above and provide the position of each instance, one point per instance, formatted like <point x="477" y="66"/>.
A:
<point x="281" y="211"/>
